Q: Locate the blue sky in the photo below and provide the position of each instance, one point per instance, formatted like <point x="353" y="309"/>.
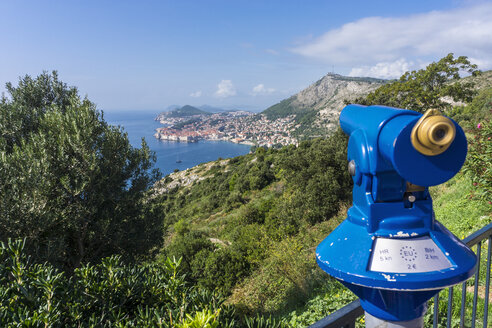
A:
<point x="147" y="55"/>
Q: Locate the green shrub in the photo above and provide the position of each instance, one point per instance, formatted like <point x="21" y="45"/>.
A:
<point x="109" y="294"/>
<point x="479" y="160"/>
<point x="187" y="246"/>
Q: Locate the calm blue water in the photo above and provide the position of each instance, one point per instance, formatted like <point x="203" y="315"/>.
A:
<point x="142" y="124"/>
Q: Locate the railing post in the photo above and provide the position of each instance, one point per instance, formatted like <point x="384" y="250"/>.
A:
<point x="436" y="310"/>
<point x="475" y="289"/>
<point x="450" y="307"/>
<point x="487" y="285"/>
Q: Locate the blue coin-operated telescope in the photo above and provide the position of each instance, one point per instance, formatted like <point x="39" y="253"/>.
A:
<point x="391" y="251"/>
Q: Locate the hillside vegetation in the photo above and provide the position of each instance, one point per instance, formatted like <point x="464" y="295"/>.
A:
<point x="228" y="243"/>
<point x="237" y="213"/>
<point x="249" y="225"/>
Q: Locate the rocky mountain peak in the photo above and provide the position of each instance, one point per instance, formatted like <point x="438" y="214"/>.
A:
<point x="329" y="92"/>
<point x="318" y="106"/>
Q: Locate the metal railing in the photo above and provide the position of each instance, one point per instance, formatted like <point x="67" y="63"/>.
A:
<point x="347" y="316"/>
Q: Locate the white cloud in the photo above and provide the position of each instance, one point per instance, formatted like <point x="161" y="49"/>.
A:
<point x="225" y="89"/>
<point x="271" y="52"/>
<point x="196" y="94"/>
<point x="378" y="40"/>
<point x="384" y="70"/>
<point x="482" y="62"/>
<point x="261" y="90"/>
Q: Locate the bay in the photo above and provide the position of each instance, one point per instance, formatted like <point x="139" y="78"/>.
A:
<point x="171" y="155"/>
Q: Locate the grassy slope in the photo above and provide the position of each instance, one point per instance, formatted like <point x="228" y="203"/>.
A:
<point x="457" y="209"/>
<point x="462" y="213"/>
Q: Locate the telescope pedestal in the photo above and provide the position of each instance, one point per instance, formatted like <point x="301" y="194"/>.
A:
<point x="373" y="322"/>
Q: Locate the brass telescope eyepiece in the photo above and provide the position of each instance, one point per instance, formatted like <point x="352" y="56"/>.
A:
<point x="433" y="133"/>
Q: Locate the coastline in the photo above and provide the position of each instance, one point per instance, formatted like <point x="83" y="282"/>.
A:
<point x="197" y="138"/>
<point x="138" y="125"/>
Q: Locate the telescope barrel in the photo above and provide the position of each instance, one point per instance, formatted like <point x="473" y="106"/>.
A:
<point x="425" y="150"/>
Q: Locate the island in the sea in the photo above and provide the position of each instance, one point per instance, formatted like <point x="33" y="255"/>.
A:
<point x="191" y="124"/>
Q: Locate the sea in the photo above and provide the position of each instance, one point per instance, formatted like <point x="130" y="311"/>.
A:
<point x="171" y="155"/>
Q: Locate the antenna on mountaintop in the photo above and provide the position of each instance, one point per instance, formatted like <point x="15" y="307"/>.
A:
<point x="332" y="69"/>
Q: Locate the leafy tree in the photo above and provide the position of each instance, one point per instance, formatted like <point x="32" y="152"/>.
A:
<point x="260" y="175"/>
<point x="431" y="87"/>
<point x="69" y="182"/>
<point x="181" y="227"/>
<point x="475" y="118"/>
<point x="28" y="102"/>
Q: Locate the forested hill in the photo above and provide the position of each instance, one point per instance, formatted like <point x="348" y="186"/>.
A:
<point x="317" y="107"/>
<point x="184" y="111"/>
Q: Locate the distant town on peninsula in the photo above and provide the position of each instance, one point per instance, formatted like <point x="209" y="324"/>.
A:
<point x="313" y="112"/>
<point x="190" y="124"/>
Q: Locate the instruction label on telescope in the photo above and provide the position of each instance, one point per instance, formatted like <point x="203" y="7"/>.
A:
<point x="407" y="256"/>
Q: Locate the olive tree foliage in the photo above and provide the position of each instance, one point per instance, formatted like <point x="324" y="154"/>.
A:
<point x="431" y="87"/>
<point x="71" y="184"/>
<point x="28" y="102"/>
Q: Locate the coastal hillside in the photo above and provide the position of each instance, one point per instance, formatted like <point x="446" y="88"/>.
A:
<point x="248" y="226"/>
<point x="482" y="81"/>
<point x="230" y="242"/>
<point x="317" y="107"/>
